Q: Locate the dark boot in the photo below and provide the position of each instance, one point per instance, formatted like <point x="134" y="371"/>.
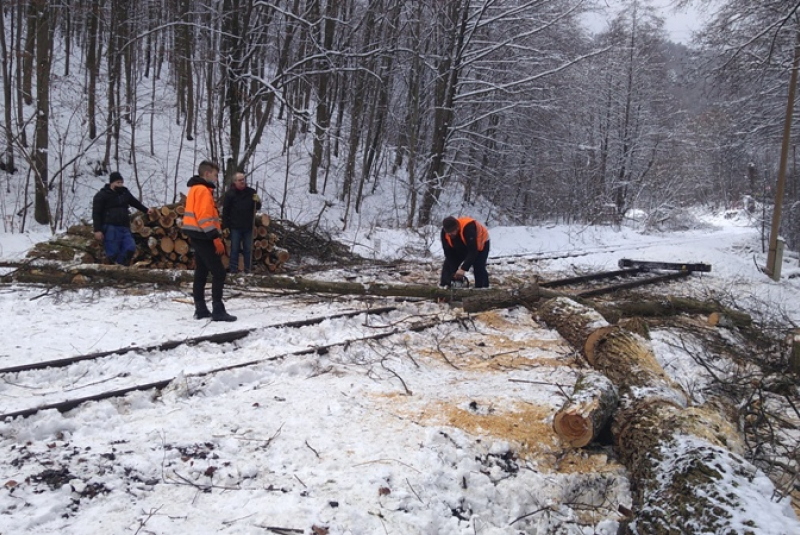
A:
<point x="201" y="312"/>
<point x="219" y="313"/>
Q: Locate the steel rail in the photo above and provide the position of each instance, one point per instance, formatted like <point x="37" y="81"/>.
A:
<point x="67" y="405"/>
<point x="218" y="338"/>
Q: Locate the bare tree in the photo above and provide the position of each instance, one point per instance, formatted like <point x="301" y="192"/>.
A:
<point x="44" y="47"/>
<point x="7" y="163"/>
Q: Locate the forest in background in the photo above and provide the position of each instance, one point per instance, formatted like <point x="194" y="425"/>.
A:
<point x="510" y="103"/>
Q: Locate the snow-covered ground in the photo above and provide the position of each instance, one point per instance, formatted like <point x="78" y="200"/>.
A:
<point x="440" y="430"/>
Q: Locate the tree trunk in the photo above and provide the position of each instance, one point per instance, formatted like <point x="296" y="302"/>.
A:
<point x="114" y="51"/>
<point x="20" y="75"/>
<point x="92" y="68"/>
<point x="323" y="112"/>
<point x="8" y="125"/>
<point x="685" y="462"/>
<point x="574" y="322"/>
<point x="44" y="39"/>
<point x="527" y="296"/>
<point x="30" y="50"/>
<point x="672" y="306"/>
<point x="449" y="71"/>
<point x="102" y="274"/>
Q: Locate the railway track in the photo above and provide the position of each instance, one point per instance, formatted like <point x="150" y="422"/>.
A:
<point x="219" y="338"/>
<point x="65" y="384"/>
<point x="606" y="282"/>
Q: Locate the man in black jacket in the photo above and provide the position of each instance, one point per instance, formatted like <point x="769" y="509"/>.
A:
<point x="465" y="243"/>
<point x="238" y="211"/>
<point x="112" y="223"/>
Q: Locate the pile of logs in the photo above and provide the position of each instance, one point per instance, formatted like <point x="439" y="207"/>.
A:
<point x="162" y="244"/>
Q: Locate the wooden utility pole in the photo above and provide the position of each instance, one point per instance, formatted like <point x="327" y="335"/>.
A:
<point x="772" y="255"/>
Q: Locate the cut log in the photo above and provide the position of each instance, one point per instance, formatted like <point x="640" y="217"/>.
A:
<point x="635" y="325"/>
<point x="166" y="244"/>
<point x="181" y="247"/>
<point x="687" y="474"/>
<point x="594" y="400"/>
<point x="263" y="220"/>
<point x="671" y="306"/>
<point x="628" y="361"/>
<point x="573" y="321"/>
<point x="58" y="274"/>
<point x="624" y="357"/>
<point x="281" y="254"/>
<point x="487" y="300"/>
<point x="137" y="224"/>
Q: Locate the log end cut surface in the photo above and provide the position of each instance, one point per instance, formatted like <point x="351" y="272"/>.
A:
<point x="574" y="428"/>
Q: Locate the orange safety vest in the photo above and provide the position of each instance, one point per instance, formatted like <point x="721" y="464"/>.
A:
<point x="483" y="234"/>
<point x="201" y="213"/>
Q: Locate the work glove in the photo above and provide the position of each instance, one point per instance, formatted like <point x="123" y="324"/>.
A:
<point x="219" y="247"/>
<point x="256" y="197"/>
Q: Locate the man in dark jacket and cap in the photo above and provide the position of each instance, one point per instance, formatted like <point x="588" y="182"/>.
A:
<point x="238" y="212"/>
<point x="112" y="223"/>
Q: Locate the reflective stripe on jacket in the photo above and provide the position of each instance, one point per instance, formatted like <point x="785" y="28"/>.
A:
<point x="201" y="218"/>
<point x="483" y="233"/>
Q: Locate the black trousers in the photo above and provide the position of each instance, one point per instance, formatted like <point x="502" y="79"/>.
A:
<point x="207" y="261"/>
<point x="450" y="266"/>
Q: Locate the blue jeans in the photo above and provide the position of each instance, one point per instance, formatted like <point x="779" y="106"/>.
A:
<point x="119" y="244"/>
<point x="241" y="239"/>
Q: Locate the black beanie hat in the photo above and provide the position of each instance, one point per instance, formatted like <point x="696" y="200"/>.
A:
<point x="449" y="224"/>
<point x="113" y="177"/>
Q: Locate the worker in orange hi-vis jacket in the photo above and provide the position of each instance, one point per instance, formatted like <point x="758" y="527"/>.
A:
<point x="466" y="245"/>
<point x="202" y="224"/>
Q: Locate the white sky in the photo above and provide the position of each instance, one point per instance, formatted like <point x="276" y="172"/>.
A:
<point x="678" y="24"/>
<point x="404" y="435"/>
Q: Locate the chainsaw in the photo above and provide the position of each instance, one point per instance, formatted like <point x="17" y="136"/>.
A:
<point x="460" y="284"/>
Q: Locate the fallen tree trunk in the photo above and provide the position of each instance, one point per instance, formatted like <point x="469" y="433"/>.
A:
<point x="594" y="400"/>
<point x="84" y="274"/>
<point x="670" y="306"/>
<point x="45" y="272"/>
<point x="487" y="300"/>
<point x="687" y="472"/>
<point x="573" y="321"/>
